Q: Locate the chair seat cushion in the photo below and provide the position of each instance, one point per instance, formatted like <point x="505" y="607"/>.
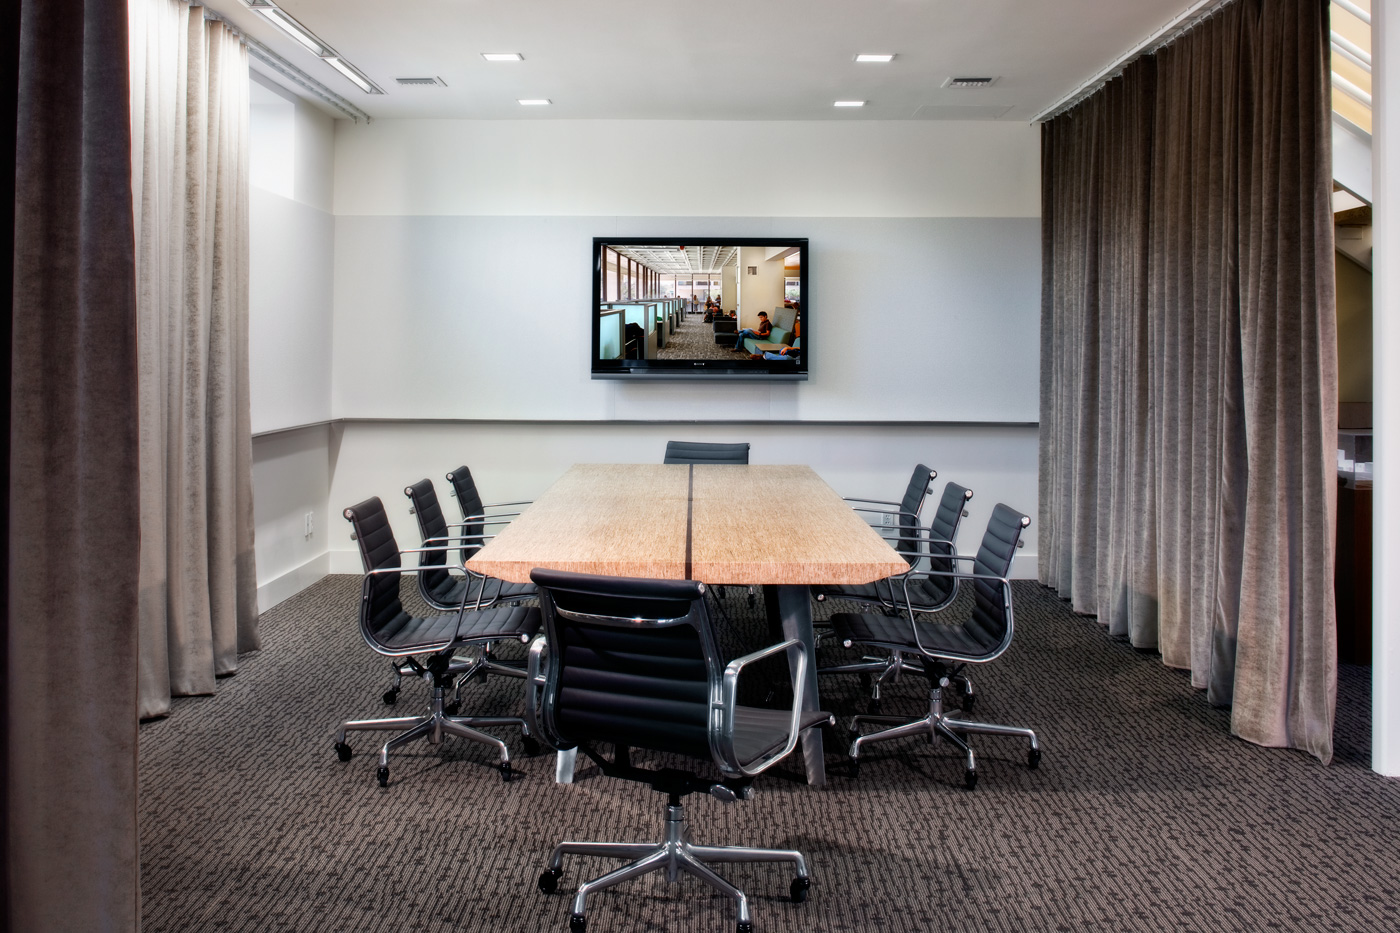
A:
<point x="869" y="628"/>
<point x="925" y="592"/>
<point x="429" y="633"/>
<point x="450" y="590"/>
<point x="760" y="731"/>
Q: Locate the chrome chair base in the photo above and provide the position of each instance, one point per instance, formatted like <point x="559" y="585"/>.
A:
<point x="878" y="670"/>
<point x="433" y="727"/>
<point x="675" y="855"/>
<point x="464" y="668"/>
<point x="940" y="724"/>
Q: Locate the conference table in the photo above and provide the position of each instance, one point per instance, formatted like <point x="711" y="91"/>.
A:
<point x="775" y="526"/>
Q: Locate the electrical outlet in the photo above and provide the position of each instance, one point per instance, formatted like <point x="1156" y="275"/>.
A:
<point x="887" y="519"/>
<point x="310" y="523"/>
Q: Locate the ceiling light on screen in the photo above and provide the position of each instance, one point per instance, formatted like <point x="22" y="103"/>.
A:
<point x="848" y="103"/>
<point x="533" y="102"/>
<point x="503" y="56"/>
<point x="875" y="57"/>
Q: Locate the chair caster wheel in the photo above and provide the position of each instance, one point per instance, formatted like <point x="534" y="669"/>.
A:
<point x="383" y="775"/>
<point x="452" y="709"/>
<point x="342" y="751"/>
<point x="1033" y="759"/>
<point x="744" y="927"/>
<point x="967" y="702"/>
<point x="391" y="697"/>
<point x="549" y="880"/>
<point x="864" y="682"/>
<point x="577" y="924"/>
<point x="873" y="707"/>
<point x="970" y="778"/>
<point x="853" y="766"/>
<point x="506" y="771"/>
<point x="752" y="602"/>
<point x="797" y="891"/>
<point x="531" y="745"/>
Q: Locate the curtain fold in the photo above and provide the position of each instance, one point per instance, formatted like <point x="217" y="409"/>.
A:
<point x="72" y="536"/>
<point x="198" y="600"/>
<point x="1188" y="364"/>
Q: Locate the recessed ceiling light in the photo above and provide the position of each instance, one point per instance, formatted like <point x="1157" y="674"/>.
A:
<point x="345" y="69"/>
<point x="503" y="56"/>
<point x="849" y="103"/>
<point x="533" y="102"/>
<point x="875" y="57"/>
<point x="291" y="27"/>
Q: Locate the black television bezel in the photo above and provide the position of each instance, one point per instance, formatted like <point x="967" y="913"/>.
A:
<point x="763" y="370"/>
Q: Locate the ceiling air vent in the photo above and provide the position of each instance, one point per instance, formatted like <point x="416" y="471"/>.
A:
<point x="421" y="82"/>
<point x="969" y="82"/>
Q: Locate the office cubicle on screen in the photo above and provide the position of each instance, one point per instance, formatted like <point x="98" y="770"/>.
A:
<point x="706" y="307"/>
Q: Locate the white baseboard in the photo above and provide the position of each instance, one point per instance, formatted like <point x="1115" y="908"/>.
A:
<point x="347" y="560"/>
<point x="294" y="581"/>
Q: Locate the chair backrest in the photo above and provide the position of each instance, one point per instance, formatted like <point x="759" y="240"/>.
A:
<point x="920" y="485"/>
<point x="433" y="527"/>
<point x="380" y="608"/>
<point x="990" y="614"/>
<point x="697" y="452"/>
<point x="940" y="589"/>
<point x="630" y="662"/>
<point x="469" y="501"/>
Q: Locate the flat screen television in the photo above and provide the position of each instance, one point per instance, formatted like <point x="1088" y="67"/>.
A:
<point x="700" y="307"/>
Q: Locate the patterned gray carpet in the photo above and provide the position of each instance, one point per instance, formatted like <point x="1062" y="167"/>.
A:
<point x="695" y="340"/>
<point x="1145" y="813"/>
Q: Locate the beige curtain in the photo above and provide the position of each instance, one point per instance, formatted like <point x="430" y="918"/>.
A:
<point x="70" y="633"/>
<point x="1188" y="364"/>
<point x="198" y="600"/>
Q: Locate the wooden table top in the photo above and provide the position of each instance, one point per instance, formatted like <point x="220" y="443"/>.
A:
<point x="748" y="525"/>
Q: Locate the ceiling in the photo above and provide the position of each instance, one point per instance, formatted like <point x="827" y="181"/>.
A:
<point x="722" y="60"/>
<point x="683" y="260"/>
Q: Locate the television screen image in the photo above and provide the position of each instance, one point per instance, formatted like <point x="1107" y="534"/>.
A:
<point x="700" y="307"/>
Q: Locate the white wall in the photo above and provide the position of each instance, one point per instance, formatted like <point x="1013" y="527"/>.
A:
<point x="830" y="168"/>
<point x="462" y="280"/>
<point x="291" y="319"/>
<point x="291" y="480"/>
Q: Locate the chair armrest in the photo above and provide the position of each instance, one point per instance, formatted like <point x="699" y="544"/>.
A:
<point x="1006" y="594"/>
<point x="497" y="519"/>
<point x="725" y="702"/>
<point x="876" y="501"/>
<point x="535" y="682"/>
<point x="501" y="505"/>
<point x="861" y="508"/>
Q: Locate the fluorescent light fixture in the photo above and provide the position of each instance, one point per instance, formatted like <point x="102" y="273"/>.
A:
<point x="875" y="57"/>
<point x="503" y="56"/>
<point x="848" y="103"/>
<point x="291" y="27"/>
<point x="350" y="73"/>
<point x="533" y="102"/>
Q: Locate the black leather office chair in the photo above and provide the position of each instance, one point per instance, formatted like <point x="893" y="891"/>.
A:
<point x="983" y="637"/>
<point x="475" y="520"/>
<point x="906" y="510"/>
<point x="634" y="663"/>
<point x="446" y="591"/>
<point x="426" y="644"/>
<point x="925" y="593"/>
<point x="701" y="453"/>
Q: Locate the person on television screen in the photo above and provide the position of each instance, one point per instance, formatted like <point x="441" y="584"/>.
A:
<point x="786" y="353"/>
<point x="763" y="330"/>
